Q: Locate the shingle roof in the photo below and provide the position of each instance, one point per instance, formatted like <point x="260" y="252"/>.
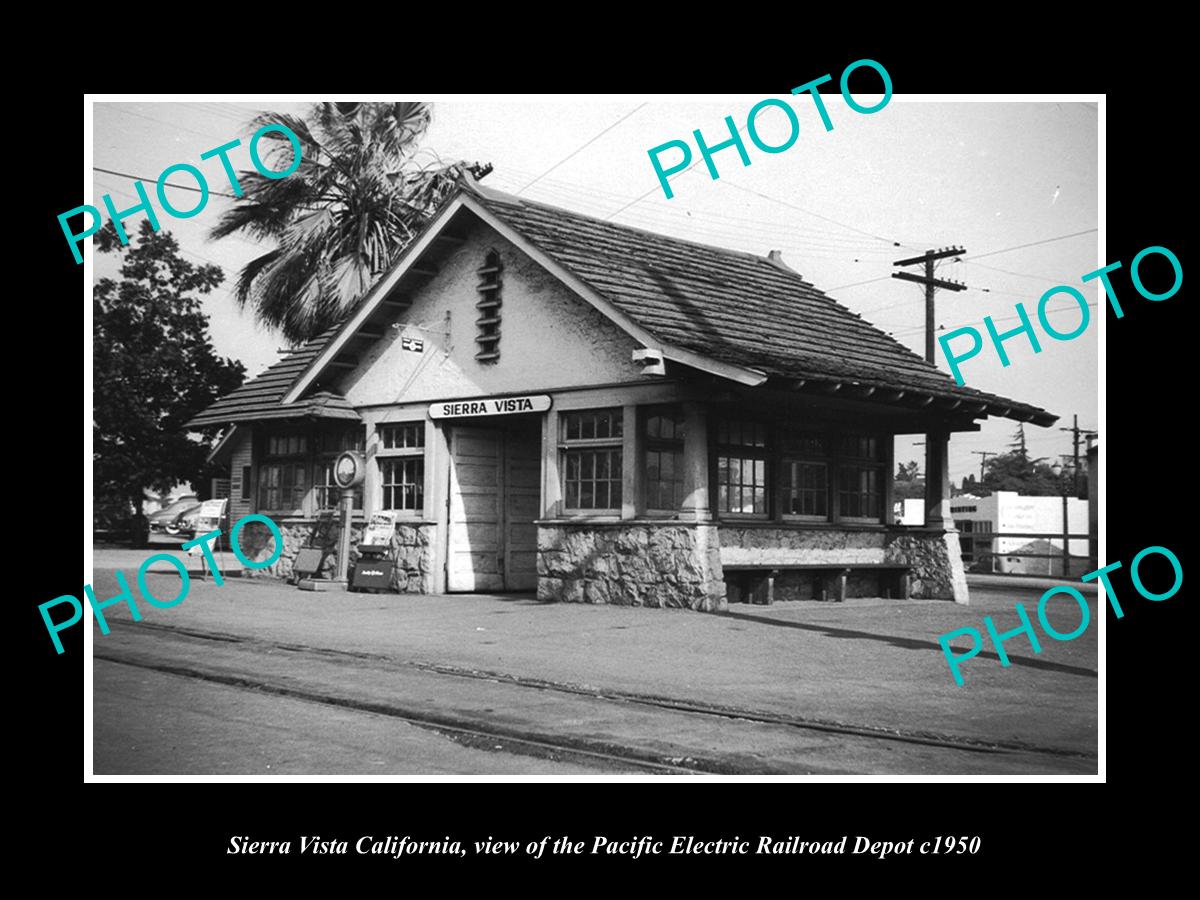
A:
<point x="732" y="306"/>
<point x="727" y="305"/>
<point x="259" y="398"/>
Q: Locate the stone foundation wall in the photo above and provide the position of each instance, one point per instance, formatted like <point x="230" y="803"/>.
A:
<point x="763" y="546"/>
<point x="936" y="560"/>
<point x="412" y="549"/>
<point x="674" y="565"/>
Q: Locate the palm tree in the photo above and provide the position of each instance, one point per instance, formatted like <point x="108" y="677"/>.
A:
<point x="341" y="219"/>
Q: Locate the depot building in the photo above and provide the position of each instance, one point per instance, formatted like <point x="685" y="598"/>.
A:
<point x="553" y="403"/>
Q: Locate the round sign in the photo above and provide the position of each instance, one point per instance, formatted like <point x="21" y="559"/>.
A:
<point x="350" y="469"/>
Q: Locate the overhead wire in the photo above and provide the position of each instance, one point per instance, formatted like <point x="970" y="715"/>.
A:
<point x="582" y="147"/>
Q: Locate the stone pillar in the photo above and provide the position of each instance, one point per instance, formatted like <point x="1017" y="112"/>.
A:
<point x="937" y="481"/>
<point x="695" y="464"/>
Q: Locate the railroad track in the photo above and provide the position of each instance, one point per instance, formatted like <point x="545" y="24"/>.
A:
<point x="692" y="707"/>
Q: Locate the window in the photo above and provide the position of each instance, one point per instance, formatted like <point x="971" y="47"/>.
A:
<point x="664" y="460"/>
<point x="328" y="493"/>
<point x="808" y="490"/>
<point x="287" y="445"/>
<point x="806" y="465"/>
<point x="340" y="440"/>
<point x="403" y="479"/>
<point x="330" y="444"/>
<point x="246" y="475"/>
<point x="825" y="476"/>
<point x="592" y="459"/>
<point x="283" y="474"/>
<point x="860" y="478"/>
<point x="405" y="436"/>
<point x="742" y="467"/>
<point x="488" y="323"/>
<point x="401" y="459"/>
<point x="281" y="486"/>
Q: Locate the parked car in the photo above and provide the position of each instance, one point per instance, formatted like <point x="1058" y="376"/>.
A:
<point x="165" y="518"/>
<point x="185" y="522"/>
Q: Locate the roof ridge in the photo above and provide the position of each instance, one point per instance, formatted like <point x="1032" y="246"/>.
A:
<point x="502" y="197"/>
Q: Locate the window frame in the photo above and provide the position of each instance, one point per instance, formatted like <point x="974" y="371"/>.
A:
<point x="675" y="445"/>
<point x="613" y="443"/>
<point x="767" y="452"/>
<point x="298" y="459"/>
<point x="407" y="452"/>
<point x="785" y="447"/>
<point x="879" y="464"/>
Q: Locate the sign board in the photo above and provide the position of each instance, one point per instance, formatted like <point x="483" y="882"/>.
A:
<point x="210" y="517"/>
<point x="489" y="406"/>
<point x="415" y="344"/>
<point x="380" y="529"/>
<point x="372" y="573"/>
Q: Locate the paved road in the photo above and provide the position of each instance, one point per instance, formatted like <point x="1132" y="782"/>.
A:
<point x="796" y="688"/>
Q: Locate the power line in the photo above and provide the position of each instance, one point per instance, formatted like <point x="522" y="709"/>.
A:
<point x="1061" y="237"/>
<point x="583" y="147"/>
<point x="1028" y="275"/>
<point x="815" y="215"/>
<point x="842" y="287"/>
<point x="1001" y="319"/>
<point x="130" y="112"/>
<point x="672" y="211"/>
<point x="183" y="249"/>
<point x="182" y="187"/>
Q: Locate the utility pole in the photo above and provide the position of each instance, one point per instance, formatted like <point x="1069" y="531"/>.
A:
<point x="931" y="285"/>
<point x="1077" y="435"/>
<point x="983" y="462"/>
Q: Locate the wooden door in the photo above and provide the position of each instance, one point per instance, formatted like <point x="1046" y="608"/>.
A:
<point x="495" y="496"/>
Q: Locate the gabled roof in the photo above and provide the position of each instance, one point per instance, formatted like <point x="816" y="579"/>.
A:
<point x="261" y="397"/>
<point x="734" y="307"/>
<point x="734" y="314"/>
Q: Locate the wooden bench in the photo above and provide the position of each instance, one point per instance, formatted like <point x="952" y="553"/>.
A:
<point x="838" y="572"/>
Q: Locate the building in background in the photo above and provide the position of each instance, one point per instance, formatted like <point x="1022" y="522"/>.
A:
<point x="1031" y="529"/>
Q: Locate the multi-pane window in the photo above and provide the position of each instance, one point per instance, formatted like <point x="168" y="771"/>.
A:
<point x="592" y="460"/>
<point x="825" y="475"/>
<point x="340" y="439"/>
<point x="742" y="467"/>
<point x="283" y="474"/>
<point x="860" y="478"/>
<point x="403" y="481"/>
<point x="330" y="444"/>
<point x="808" y="489"/>
<point x="403" y="436"/>
<point x="328" y="493"/>
<point x="664" y="460"/>
<point x="281" y="486"/>
<point x="287" y="445"/>
<point x="401" y="459"/>
<point x="807" y="469"/>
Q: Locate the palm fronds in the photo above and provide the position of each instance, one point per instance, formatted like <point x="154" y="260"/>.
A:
<point x="341" y="219"/>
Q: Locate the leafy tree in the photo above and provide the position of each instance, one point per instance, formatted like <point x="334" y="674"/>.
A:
<point x="909" y="483"/>
<point x="341" y="219"/>
<point x="1015" y="471"/>
<point x="154" y="369"/>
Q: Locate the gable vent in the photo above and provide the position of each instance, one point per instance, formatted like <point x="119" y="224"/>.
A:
<point x="488" y="323"/>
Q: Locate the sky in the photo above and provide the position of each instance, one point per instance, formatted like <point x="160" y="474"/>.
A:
<point x="986" y="176"/>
